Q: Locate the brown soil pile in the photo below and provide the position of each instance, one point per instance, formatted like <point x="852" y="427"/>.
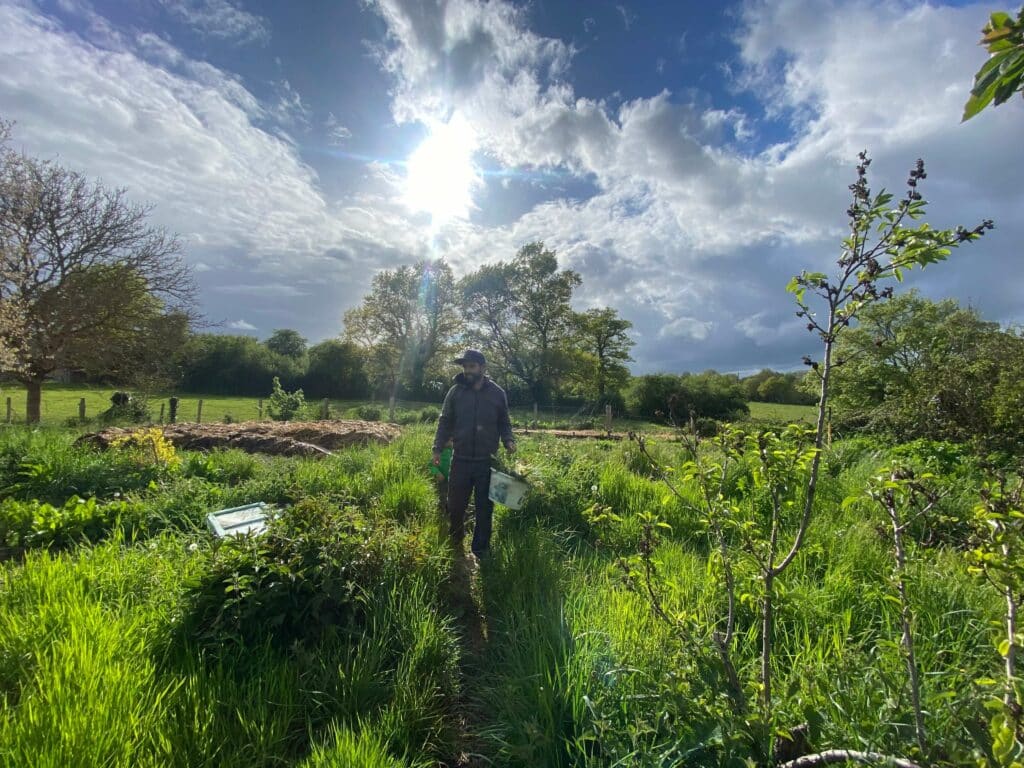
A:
<point x="278" y="438"/>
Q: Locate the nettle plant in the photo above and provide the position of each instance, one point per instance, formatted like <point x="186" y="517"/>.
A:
<point x="782" y="467"/>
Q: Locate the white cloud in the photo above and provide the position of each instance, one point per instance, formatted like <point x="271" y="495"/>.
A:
<point x="336" y="132"/>
<point x="688" y="230"/>
<point x="219" y="19"/>
<point x="241" y="325"/>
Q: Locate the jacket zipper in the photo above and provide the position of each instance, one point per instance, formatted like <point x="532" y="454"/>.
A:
<point x="476" y="411"/>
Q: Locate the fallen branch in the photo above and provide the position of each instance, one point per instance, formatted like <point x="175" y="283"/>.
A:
<point x="846" y="756"/>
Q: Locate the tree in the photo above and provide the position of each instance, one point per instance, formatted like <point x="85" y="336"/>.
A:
<point x="287" y="343"/>
<point x="520" y="312"/>
<point x="603" y="339"/>
<point x="12" y="313"/>
<point x="406" y="321"/>
<point x="89" y="273"/>
<point x="235" y="365"/>
<point x="919" y="368"/>
<point x="1003" y="74"/>
<point x="709" y="395"/>
<point x="336" y="369"/>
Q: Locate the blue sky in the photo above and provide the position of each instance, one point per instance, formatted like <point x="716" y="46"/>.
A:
<point x="686" y="158"/>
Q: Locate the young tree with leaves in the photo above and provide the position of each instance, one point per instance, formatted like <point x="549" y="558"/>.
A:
<point x="89" y="273"/>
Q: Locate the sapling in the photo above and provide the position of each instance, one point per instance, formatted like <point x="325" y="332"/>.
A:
<point x="999" y="557"/>
<point x="906" y="498"/>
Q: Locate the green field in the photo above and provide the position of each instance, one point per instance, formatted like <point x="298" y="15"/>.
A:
<point x="60" y="403"/>
<point x="352" y="634"/>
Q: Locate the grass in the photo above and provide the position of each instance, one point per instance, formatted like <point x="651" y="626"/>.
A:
<point x="543" y="657"/>
<point x="782" y="412"/>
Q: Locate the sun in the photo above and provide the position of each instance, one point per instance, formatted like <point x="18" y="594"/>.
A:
<point x="440" y="174"/>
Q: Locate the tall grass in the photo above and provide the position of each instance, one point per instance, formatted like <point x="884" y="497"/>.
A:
<point x="545" y="657"/>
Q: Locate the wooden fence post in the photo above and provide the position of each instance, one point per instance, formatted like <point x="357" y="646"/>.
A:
<point x="325" y="409"/>
<point x="172" y="415"/>
<point x="8" y="410"/>
<point x="260" y="407"/>
<point x="535" y="413"/>
<point x="199" y="412"/>
<point x="81" y="409"/>
<point x="162" y="411"/>
<point x="608" y="418"/>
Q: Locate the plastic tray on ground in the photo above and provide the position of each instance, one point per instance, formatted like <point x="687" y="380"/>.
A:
<point x="236" y="521"/>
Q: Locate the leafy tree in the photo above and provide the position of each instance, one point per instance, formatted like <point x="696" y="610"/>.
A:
<point x="404" y="325"/>
<point x="768" y="386"/>
<point x="87" y="272"/>
<point x="234" y="365"/>
<point x="674" y="398"/>
<point x="603" y="339"/>
<point x="287" y="343"/>
<point x="336" y="369"/>
<point x="916" y="368"/>
<point x="520" y="312"/>
<point x="1003" y="74"/>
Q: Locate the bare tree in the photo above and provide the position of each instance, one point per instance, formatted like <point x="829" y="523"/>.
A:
<point x="89" y="275"/>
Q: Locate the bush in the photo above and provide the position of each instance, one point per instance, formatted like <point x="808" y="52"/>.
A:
<point x="126" y="407"/>
<point x="369" y="413"/>
<point x="284" y="406"/>
<point x="307" y="578"/>
<point x="665" y="397"/>
<point x="430" y="415"/>
<point x="38" y="524"/>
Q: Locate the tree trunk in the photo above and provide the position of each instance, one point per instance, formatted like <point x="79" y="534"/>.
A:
<point x="767" y="622"/>
<point x="1009" y="699"/>
<point x="33" y="400"/>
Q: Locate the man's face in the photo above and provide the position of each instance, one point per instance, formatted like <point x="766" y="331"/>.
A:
<point x="473" y="372"/>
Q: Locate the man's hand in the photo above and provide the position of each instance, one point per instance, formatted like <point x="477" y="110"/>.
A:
<point x="510" y="447"/>
<point x="437" y="458"/>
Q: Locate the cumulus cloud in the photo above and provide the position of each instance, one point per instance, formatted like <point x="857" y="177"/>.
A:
<point x="690" y="234"/>
<point x="241" y="325"/>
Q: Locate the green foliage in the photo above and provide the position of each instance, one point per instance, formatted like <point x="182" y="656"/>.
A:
<point x="235" y="365"/>
<point x="287" y="343"/>
<point x="603" y="345"/>
<point x="669" y="398"/>
<point x="38" y="524"/>
<point x="914" y="368"/>
<point x="305" y="580"/>
<point x="768" y="386"/>
<point x="369" y="413"/>
<point x="521" y="311"/>
<point x="132" y="408"/>
<point x="336" y="369"/>
<point x="284" y="406"/>
<point x="1003" y="74"/>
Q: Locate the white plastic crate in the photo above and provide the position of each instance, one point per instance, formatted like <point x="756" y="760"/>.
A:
<point x="235" y="521"/>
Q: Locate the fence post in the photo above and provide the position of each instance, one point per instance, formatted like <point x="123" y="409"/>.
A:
<point x="81" y="409"/>
<point x="162" y="404"/>
<point x="260" y="406"/>
<point x="173" y="411"/>
<point x="199" y="412"/>
<point x="325" y="409"/>
<point x="535" y="413"/>
<point x="8" y="410"/>
<point x="608" y="418"/>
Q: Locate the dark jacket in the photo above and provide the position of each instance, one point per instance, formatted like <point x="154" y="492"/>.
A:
<point x="474" y="419"/>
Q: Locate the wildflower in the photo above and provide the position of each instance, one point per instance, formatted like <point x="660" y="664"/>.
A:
<point x="593" y="488"/>
<point x="193" y="547"/>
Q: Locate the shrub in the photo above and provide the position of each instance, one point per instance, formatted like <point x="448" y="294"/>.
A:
<point x="304" y="580"/>
<point x="430" y="415"/>
<point x="148" y="447"/>
<point x="38" y="524"/>
<point x="284" y="406"/>
<point x="124" y="406"/>
<point x="369" y="413"/>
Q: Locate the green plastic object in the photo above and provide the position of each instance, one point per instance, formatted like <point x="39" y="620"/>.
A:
<point x="446" y="464"/>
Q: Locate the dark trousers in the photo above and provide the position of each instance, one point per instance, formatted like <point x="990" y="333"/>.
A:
<point x="465" y="478"/>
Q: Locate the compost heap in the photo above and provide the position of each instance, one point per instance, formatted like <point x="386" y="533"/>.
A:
<point x="285" y="438"/>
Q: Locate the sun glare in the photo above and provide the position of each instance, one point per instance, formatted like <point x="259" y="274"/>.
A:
<point x="440" y="175"/>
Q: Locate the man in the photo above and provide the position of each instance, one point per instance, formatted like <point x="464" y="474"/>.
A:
<point x="475" y="417"/>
